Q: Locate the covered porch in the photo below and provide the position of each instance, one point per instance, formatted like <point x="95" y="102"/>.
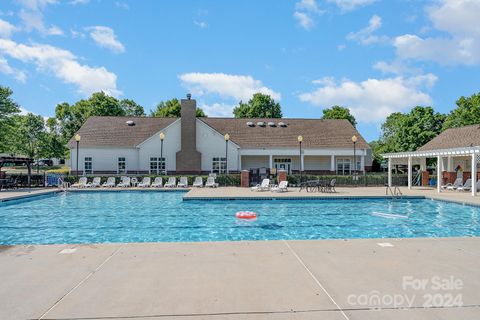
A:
<point x="452" y="163"/>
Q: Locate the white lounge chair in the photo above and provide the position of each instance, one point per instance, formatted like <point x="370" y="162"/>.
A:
<point x="453" y="186"/>
<point x="282" y="187"/>
<point x="95" y="183"/>
<point x="110" y="183"/>
<point x="467" y="186"/>
<point x="171" y="183"/>
<point x="125" y="182"/>
<point x="82" y="183"/>
<point x="145" y="182"/>
<point x="262" y="187"/>
<point x="157" y="183"/>
<point x="183" y="183"/>
<point x="211" y="183"/>
<point x="198" y="183"/>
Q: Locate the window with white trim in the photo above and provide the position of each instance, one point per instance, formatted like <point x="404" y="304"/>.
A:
<point x="157" y="165"/>
<point x="122" y="165"/>
<point x="343" y="166"/>
<point x="219" y="165"/>
<point x="88" y="165"/>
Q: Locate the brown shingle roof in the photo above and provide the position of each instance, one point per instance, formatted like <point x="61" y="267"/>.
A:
<point x="467" y="136"/>
<point x="316" y="133"/>
<point x="114" y="132"/>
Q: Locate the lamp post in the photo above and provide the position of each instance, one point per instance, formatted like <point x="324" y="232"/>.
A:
<point x="162" y="137"/>
<point x="354" y="140"/>
<point x="300" y="139"/>
<point x="227" y="138"/>
<point x="77" y="139"/>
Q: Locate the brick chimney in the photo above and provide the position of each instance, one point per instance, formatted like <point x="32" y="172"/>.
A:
<point x="188" y="158"/>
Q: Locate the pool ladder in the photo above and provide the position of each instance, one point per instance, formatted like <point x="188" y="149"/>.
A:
<point x="395" y="192"/>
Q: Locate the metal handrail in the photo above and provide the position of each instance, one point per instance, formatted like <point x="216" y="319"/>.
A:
<point x="396" y="193"/>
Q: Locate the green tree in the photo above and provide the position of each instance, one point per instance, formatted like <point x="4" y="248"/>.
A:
<point x="338" y="112"/>
<point x="467" y="112"/>
<point x="131" y="108"/>
<point x="171" y="109"/>
<point x="54" y="142"/>
<point x="260" y="106"/>
<point x="30" y="136"/>
<point x="8" y="108"/>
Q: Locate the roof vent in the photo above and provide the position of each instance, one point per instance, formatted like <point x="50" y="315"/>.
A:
<point x="282" y="124"/>
<point x="271" y="124"/>
<point x="130" y="123"/>
<point x="261" y="124"/>
<point x="250" y="124"/>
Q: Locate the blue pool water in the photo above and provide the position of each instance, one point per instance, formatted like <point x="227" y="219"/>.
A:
<point x="160" y="216"/>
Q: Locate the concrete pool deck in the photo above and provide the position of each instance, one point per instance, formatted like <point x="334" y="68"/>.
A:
<point x="325" y="279"/>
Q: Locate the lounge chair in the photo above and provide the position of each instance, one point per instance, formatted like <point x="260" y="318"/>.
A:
<point x="330" y="187"/>
<point x="282" y="187"/>
<point x="82" y="183"/>
<point x="453" y="186"/>
<point x="125" y="182"/>
<point x="145" y="183"/>
<point x="262" y="187"/>
<point x="95" y="183"/>
<point x="157" y="183"/>
<point x="467" y="186"/>
<point x="198" y="183"/>
<point x="211" y="183"/>
<point x="171" y="183"/>
<point x="110" y="183"/>
<point x="183" y="183"/>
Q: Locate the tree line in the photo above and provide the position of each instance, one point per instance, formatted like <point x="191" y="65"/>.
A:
<point x="36" y="137"/>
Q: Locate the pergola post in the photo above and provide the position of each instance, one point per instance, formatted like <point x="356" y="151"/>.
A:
<point x="409" y="172"/>
<point x="439" y="173"/>
<point x="474" y="174"/>
<point x="389" y="172"/>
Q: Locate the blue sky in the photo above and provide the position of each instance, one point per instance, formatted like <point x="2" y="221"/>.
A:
<point x="373" y="56"/>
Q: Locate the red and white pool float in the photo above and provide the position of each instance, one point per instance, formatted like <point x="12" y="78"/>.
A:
<point x="246" y="215"/>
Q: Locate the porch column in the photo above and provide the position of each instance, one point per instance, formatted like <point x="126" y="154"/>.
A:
<point x="439" y="172"/>
<point x="389" y="172"/>
<point x="332" y="163"/>
<point x="362" y="163"/>
<point x="449" y="164"/>
<point x="474" y="174"/>
<point x="239" y="162"/>
<point x="270" y="161"/>
<point x="409" y="172"/>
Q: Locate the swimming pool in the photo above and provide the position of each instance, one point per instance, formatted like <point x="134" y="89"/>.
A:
<point x="99" y="217"/>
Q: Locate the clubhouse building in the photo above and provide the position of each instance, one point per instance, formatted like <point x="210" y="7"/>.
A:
<point x="192" y="145"/>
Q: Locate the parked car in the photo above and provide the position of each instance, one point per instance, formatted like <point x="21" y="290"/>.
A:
<point x="43" y="163"/>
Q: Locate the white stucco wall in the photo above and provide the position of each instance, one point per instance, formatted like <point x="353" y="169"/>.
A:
<point x="211" y="144"/>
<point x="104" y="159"/>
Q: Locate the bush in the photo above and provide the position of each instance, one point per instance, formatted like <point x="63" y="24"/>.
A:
<point x="63" y="170"/>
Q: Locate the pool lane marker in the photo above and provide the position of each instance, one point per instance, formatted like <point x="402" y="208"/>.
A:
<point x="315" y="279"/>
<point x="81" y="282"/>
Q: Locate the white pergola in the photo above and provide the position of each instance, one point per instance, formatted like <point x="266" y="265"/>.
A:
<point x="473" y="152"/>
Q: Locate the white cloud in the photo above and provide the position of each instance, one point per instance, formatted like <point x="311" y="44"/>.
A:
<point x="75" y="2"/>
<point x="200" y="24"/>
<point x="396" y="67"/>
<point x="304" y="20"/>
<point x="5" y="68"/>
<point x="305" y="10"/>
<point x="64" y="65"/>
<point x="122" y="5"/>
<point x="238" y="87"/>
<point x="372" y="100"/>
<point x="347" y="5"/>
<point x="32" y="17"/>
<point x="460" y="45"/>
<point x="218" y="109"/>
<point x="105" y="37"/>
<point x="365" y="36"/>
<point x="6" y="29"/>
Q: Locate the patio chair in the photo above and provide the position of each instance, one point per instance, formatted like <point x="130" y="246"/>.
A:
<point x="453" y="186"/>
<point x="467" y="186"/>
<point x="282" y="187"/>
<point x="157" y="183"/>
<point x="262" y="187"/>
<point x="211" y="183"/>
<point x="110" y="183"/>
<point x="145" y="183"/>
<point x="82" y="183"/>
<point x="125" y="182"/>
<point x="330" y="187"/>
<point x="198" y="183"/>
<point x="183" y="183"/>
<point x="95" y="183"/>
<point x="171" y="183"/>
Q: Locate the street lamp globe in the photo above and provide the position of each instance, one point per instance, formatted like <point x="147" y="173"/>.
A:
<point x="354" y="139"/>
<point x="227" y="137"/>
<point x="77" y="137"/>
<point x="162" y="136"/>
<point x="300" y="138"/>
